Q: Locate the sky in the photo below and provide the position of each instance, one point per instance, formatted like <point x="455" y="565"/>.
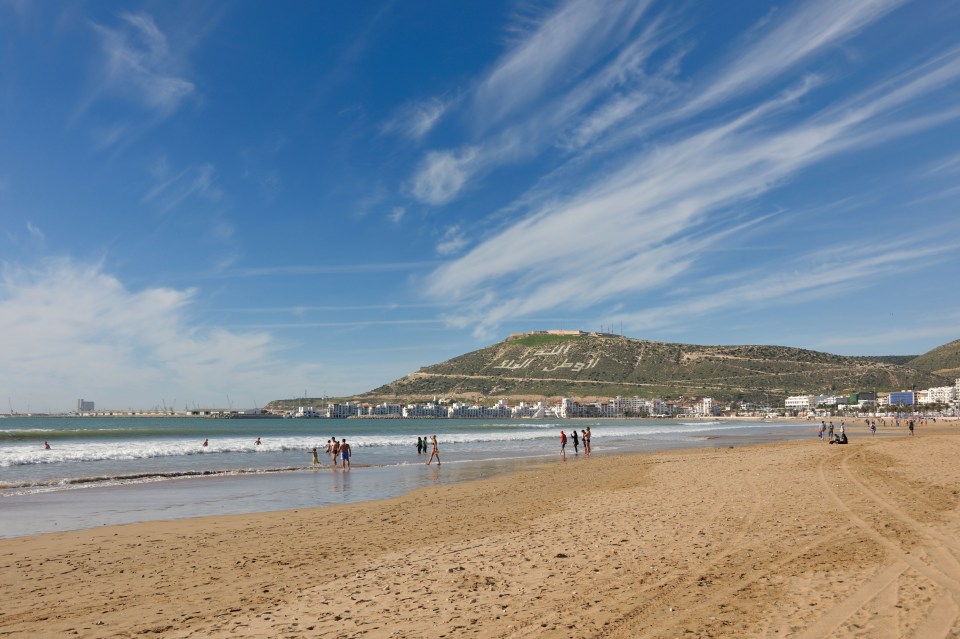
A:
<point x="222" y="204"/>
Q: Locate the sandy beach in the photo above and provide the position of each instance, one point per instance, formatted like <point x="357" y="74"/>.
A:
<point x="798" y="539"/>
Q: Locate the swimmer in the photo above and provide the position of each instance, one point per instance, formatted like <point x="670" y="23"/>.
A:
<point x="206" y="443"/>
<point x="258" y="442"/>
<point x="46" y="446"/>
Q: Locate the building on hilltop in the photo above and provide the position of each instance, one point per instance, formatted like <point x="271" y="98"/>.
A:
<point x="83" y="406"/>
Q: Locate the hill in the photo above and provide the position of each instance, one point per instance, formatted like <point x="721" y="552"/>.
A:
<point x="943" y="361"/>
<point x="603" y="365"/>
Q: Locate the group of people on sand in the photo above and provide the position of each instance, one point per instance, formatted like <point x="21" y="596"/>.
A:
<point x="422" y="448"/>
<point x="831" y="435"/>
<point x="584" y="437"/>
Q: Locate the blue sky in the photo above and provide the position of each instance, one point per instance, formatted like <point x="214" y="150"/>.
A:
<point x="213" y="203"/>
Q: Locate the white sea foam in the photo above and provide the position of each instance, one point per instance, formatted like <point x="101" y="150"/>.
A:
<point x="71" y="451"/>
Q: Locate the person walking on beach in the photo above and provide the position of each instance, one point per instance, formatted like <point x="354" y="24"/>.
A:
<point x="823" y="427"/>
<point x="563" y="444"/>
<point x="910" y="426"/>
<point x="345" y="454"/>
<point x="830" y="432"/>
<point x="576" y="442"/>
<point x="873" y="429"/>
<point x="586" y="442"/>
<point x="435" y="452"/>
<point x="316" y="460"/>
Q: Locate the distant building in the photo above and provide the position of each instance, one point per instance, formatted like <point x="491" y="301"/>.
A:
<point x="902" y="398"/>
<point x="83" y="406"/>
<point x="798" y="402"/>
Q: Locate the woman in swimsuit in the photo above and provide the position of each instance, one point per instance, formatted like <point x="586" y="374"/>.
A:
<point x="435" y="452"/>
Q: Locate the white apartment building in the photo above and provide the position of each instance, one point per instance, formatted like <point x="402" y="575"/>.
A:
<point x="425" y="410"/>
<point x="660" y="407"/>
<point x="632" y="406"/>
<point x="342" y="411"/>
<point x="386" y="409"/>
<point x="530" y="411"/>
<point x="706" y="407"/>
<point x="799" y="402"/>
<point x="938" y="395"/>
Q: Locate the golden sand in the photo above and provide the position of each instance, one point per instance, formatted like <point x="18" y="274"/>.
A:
<point x="798" y="539"/>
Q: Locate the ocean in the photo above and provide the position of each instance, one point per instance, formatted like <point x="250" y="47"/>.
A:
<point x="101" y="471"/>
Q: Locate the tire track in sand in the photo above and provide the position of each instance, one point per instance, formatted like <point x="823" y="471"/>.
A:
<point x="626" y="624"/>
<point x="940" y="621"/>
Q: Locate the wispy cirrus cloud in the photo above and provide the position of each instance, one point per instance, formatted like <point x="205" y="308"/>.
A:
<point x="171" y="190"/>
<point x="453" y="241"/>
<point x="628" y="226"/>
<point x="139" y="64"/>
<point x="570" y="115"/>
<point x="416" y="119"/>
<point x="805" y="32"/>
<point x="33" y="230"/>
<point x="826" y="273"/>
<point x="442" y="174"/>
<point x="558" y="48"/>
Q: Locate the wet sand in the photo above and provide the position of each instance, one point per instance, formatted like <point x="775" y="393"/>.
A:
<point x="799" y="539"/>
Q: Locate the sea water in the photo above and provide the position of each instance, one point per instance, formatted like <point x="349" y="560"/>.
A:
<point x="119" y="470"/>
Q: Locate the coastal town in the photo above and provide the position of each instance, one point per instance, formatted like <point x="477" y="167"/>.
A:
<point x="937" y="401"/>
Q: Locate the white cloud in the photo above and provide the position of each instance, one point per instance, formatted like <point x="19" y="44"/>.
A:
<point x="562" y="46"/>
<point x="416" y="119"/>
<point x="140" y="65"/>
<point x="810" y="277"/>
<point x="79" y="332"/>
<point x="627" y="226"/>
<point x="396" y="214"/>
<point x="35" y="232"/>
<point x="452" y="241"/>
<point x="811" y="28"/>
<point x="442" y="174"/>
<point x="171" y="191"/>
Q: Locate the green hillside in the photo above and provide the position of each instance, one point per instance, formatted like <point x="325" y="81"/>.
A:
<point x="943" y="361"/>
<point x="600" y="365"/>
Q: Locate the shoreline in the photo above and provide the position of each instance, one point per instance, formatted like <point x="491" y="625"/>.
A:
<point x="51" y="505"/>
<point x="791" y="538"/>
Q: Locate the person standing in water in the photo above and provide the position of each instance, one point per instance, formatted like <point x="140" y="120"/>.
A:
<point x="576" y="442"/>
<point x="435" y="452"/>
<point x="334" y="451"/>
<point x="586" y="442"/>
<point x="316" y="460"/>
<point x="419" y="445"/>
<point x="345" y="454"/>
